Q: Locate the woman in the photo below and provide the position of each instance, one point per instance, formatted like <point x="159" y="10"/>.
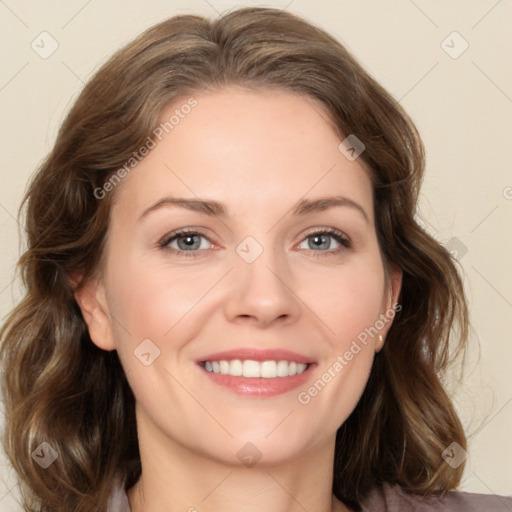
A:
<point x="229" y="303"/>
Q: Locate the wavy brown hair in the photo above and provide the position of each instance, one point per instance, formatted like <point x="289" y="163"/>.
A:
<point x="59" y="388"/>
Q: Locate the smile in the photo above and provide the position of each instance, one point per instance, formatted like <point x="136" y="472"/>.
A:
<point x="254" y="372"/>
<point x="255" y="369"/>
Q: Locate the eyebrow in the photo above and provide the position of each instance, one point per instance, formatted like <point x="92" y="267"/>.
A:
<point x="217" y="209"/>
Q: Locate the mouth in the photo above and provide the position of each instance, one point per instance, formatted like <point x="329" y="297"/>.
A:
<point x="251" y="369"/>
<point x="255" y="372"/>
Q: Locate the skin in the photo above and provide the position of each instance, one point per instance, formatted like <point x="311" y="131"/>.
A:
<point x="258" y="153"/>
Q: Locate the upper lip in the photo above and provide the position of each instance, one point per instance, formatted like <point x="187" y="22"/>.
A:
<point x="257" y="354"/>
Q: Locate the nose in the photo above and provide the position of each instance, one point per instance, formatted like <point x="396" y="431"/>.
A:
<point x="262" y="292"/>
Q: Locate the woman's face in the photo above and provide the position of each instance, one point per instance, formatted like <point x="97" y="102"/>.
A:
<point x="279" y="270"/>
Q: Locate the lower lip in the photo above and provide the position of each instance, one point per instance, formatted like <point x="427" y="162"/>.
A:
<point x="259" y="387"/>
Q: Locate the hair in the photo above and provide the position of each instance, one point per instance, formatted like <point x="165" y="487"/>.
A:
<point x="59" y="388"/>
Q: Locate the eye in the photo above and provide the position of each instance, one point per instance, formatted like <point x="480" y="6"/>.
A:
<point x="190" y="243"/>
<point x="326" y="242"/>
<point x="185" y="242"/>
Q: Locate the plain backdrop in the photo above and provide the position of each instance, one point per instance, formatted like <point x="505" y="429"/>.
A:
<point x="449" y="65"/>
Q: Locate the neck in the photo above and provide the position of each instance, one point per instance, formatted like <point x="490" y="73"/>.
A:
<point x="175" y="478"/>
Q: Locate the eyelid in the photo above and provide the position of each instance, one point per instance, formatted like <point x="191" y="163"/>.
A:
<point x="342" y="238"/>
<point x="164" y="242"/>
<point x="328" y="231"/>
<point x="202" y="232"/>
<point x="183" y="231"/>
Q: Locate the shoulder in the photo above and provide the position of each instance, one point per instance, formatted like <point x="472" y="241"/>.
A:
<point x="395" y="499"/>
<point x="392" y="499"/>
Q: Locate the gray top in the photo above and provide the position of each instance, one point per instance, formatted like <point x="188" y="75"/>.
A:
<point x="394" y="499"/>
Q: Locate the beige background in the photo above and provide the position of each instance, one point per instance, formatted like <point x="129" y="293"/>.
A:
<point x="462" y="107"/>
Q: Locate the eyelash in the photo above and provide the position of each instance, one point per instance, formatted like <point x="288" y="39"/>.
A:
<point x="338" y="236"/>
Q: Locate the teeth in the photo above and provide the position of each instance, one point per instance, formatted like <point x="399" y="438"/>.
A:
<point x="254" y="369"/>
<point x="282" y="368"/>
<point x="251" y="368"/>
<point x="224" y="367"/>
<point x="268" y="369"/>
<point x="235" y="368"/>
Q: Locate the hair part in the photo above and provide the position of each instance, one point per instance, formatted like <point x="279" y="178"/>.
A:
<point x="59" y="388"/>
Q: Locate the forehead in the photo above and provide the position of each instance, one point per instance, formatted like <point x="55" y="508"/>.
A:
<point x="246" y="148"/>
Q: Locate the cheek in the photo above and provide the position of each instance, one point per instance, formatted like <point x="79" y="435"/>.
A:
<point x="349" y="301"/>
<point x="155" y="302"/>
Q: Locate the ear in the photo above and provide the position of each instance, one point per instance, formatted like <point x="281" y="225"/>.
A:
<point x="93" y="305"/>
<point x="394" y="285"/>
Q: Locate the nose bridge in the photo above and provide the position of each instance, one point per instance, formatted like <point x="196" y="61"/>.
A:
<point x="262" y="286"/>
<point x="259" y="265"/>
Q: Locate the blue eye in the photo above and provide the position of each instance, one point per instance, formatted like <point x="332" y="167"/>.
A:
<point x="188" y="243"/>
<point x="322" y="242"/>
